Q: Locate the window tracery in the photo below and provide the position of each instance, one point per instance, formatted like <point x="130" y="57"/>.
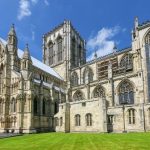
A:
<point x="131" y="114"/>
<point x="59" y="53"/>
<point x="13" y="105"/>
<point x="99" y="92"/>
<point x="74" y="79"/>
<point x="126" y="93"/>
<point x="127" y="62"/>
<point x="147" y="38"/>
<point x="87" y="75"/>
<point x="78" y="96"/>
<point x="51" y="53"/>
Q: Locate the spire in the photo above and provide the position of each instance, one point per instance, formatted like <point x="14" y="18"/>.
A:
<point x="95" y="55"/>
<point x="12" y="37"/>
<point x="136" y="22"/>
<point x="26" y="54"/>
<point x="115" y="48"/>
<point x="12" y="30"/>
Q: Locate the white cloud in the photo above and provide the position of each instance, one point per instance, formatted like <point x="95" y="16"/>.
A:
<point x="33" y="35"/>
<point x="34" y="1"/>
<point x="25" y="8"/>
<point x="102" y="42"/>
<point x="46" y="2"/>
<point x="32" y="31"/>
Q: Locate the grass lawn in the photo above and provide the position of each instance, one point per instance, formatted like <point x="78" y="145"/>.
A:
<point x="77" y="141"/>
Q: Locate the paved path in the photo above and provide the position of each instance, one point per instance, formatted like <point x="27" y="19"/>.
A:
<point x="7" y="135"/>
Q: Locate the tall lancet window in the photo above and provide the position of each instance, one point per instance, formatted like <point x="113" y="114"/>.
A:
<point x="147" y="38"/>
<point x="88" y="118"/>
<point x="51" y="53"/>
<point x="44" y="107"/>
<point x="87" y="75"/>
<point x="1" y="106"/>
<point x="126" y="93"/>
<point x="77" y="120"/>
<point x="149" y="115"/>
<point x="13" y="105"/>
<point x="80" y="54"/>
<point x="0" y="49"/>
<point x="74" y="79"/>
<point x="59" y="52"/>
<point x="73" y="50"/>
<point x="147" y="53"/>
<point x="35" y="105"/>
<point x="126" y="62"/>
<point x="131" y="116"/>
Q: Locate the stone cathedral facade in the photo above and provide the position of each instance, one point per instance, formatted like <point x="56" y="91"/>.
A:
<point x="65" y="93"/>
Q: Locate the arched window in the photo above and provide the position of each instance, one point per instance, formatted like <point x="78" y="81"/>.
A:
<point x="87" y="75"/>
<point x="24" y="64"/>
<point x="77" y="120"/>
<point x="147" y="38"/>
<point x="35" y="105"/>
<point x="61" y="121"/>
<point x="74" y="79"/>
<point x="99" y="92"/>
<point x="13" y="105"/>
<point x="63" y="98"/>
<point x="59" y="52"/>
<point x="131" y="115"/>
<point x="80" y="53"/>
<point x="126" y="93"/>
<point x="127" y="62"/>
<point x="1" y="106"/>
<point x="88" y="118"/>
<point x="78" y="96"/>
<point x="73" y="52"/>
<point x="56" y="107"/>
<point x="1" y="67"/>
<point x="0" y="49"/>
<point x="51" y="53"/>
<point x="1" y="78"/>
<point x="44" y="107"/>
<point x="149" y="115"/>
<point x="56" y="121"/>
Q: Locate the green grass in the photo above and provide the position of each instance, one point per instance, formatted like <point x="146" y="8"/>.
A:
<point x="77" y="141"/>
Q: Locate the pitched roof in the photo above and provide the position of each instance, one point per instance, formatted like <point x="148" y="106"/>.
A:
<point x="37" y="63"/>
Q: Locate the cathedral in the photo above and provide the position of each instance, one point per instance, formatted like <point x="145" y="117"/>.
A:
<point x="67" y="93"/>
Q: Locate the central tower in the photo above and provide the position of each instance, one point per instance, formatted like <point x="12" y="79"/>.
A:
<point x="63" y="49"/>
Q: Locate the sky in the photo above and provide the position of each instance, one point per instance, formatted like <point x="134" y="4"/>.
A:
<point x="102" y="23"/>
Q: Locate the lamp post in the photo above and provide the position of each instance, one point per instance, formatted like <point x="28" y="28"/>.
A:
<point x="124" y="123"/>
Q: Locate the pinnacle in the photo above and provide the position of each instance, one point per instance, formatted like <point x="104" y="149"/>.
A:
<point x="26" y="54"/>
<point x="12" y="30"/>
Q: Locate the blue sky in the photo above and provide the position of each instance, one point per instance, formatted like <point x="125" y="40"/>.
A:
<point x="100" y="22"/>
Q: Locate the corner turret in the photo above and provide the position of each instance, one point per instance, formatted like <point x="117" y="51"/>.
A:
<point x="12" y="38"/>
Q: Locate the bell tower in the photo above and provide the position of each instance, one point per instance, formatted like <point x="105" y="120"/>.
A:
<point x="64" y="49"/>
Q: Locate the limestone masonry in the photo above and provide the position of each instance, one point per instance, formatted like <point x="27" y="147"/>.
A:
<point x="65" y="93"/>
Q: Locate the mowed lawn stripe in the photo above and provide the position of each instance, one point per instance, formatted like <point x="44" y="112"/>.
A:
<point x="77" y="141"/>
<point x="103" y="142"/>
